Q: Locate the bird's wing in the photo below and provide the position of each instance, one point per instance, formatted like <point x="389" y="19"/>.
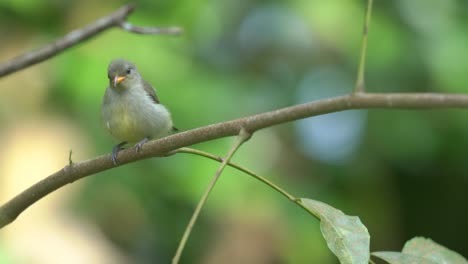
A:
<point x="151" y="93"/>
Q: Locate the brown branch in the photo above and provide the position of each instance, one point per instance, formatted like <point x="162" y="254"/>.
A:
<point x="116" y="19"/>
<point x="70" y="173"/>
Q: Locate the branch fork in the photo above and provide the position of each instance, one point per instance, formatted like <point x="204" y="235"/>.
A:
<point x="116" y="19"/>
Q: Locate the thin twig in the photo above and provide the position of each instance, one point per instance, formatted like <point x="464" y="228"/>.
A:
<point x="243" y="136"/>
<point x="150" y="30"/>
<point x="116" y="19"/>
<point x="238" y="167"/>
<point x="360" y="85"/>
<point x="264" y="180"/>
<point x="70" y="161"/>
<point x="10" y="210"/>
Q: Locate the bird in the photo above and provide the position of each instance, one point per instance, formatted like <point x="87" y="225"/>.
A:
<point x="131" y="111"/>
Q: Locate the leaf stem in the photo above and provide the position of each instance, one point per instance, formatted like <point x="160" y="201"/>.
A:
<point x="262" y="179"/>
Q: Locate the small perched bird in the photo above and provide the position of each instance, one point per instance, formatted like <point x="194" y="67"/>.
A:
<point x="131" y="110"/>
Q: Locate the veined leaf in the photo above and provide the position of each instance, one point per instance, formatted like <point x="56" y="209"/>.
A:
<point x="422" y="250"/>
<point x="425" y="247"/>
<point x="401" y="258"/>
<point x="346" y="236"/>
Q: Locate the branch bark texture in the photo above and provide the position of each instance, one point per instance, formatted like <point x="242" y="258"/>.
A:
<point x="116" y="19"/>
<point x="72" y="172"/>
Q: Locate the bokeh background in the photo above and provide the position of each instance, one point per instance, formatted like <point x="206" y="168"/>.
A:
<point x="404" y="173"/>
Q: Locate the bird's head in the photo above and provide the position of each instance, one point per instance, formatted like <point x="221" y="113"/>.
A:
<point x="122" y="74"/>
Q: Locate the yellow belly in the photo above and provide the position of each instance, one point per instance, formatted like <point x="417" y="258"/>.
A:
<point x="125" y="128"/>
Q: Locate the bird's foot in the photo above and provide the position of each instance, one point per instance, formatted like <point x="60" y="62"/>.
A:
<point x="116" y="150"/>
<point x="139" y="145"/>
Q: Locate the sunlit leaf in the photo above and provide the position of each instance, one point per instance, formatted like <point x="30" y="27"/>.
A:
<point x="425" y="247"/>
<point x="401" y="258"/>
<point x="346" y="236"/>
<point x="422" y="250"/>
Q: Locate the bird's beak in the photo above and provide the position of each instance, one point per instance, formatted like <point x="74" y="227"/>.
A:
<point x="118" y="79"/>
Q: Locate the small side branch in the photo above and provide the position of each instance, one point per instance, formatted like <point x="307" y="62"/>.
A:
<point x="262" y="179"/>
<point x="116" y="19"/>
<point x="360" y="85"/>
<point x="150" y="30"/>
<point x="70" y="161"/>
<point x="243" y="136"/>
<point x="237" y="167"/>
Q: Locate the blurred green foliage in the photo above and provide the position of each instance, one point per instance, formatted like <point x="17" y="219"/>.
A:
<point x="405" y="174"/>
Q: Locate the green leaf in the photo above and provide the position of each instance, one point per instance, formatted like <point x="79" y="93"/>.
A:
<point x="422" y="250"/>
<point x="346" y="236"/>
<point x="401" y="258"/>
<point x="425" y="247"/>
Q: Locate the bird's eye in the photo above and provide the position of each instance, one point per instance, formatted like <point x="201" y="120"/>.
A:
<point x="129" y="70"/>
